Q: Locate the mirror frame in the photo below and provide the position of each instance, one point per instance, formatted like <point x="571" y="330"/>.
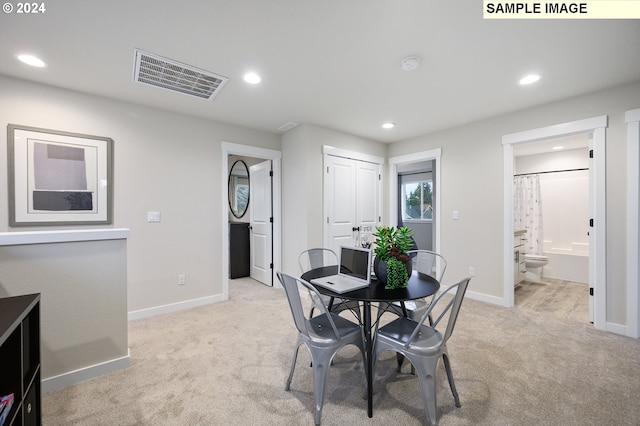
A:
<point x="233" y="212"/>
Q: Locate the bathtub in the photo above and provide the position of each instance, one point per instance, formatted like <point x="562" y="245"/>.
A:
<point x="567" y="264"/>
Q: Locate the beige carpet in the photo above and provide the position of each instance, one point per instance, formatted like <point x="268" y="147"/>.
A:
<point x="226" y="364"/>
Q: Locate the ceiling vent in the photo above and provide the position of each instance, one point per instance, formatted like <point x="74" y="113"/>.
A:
<point x="172" y="75"/>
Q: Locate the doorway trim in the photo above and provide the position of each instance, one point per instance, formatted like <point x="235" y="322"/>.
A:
<point x="229" y="148"/>
<point x="394" y="162"/>
<point x="595" y="126"/>
<point x="632" y="118"/>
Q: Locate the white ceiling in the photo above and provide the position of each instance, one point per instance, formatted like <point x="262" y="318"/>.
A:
<point x="333" y="63"/>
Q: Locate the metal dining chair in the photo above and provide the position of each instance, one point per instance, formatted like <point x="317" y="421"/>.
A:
<point x="323" y="335"/>
<point x="424" y="262"/>
<point x="423" y="345"/>
<point x="317" y="258"/>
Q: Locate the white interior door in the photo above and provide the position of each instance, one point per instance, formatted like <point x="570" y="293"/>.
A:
<point x="261" y="222"/>
<point x="352" y="191"/>
<point x="368" y="191"/>
<point x="340" y="202"/>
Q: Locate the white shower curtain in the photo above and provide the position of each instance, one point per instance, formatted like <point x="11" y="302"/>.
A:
<point x="527" y="210"/>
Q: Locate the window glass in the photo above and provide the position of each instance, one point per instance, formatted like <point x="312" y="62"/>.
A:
<point x="417" y="198"/>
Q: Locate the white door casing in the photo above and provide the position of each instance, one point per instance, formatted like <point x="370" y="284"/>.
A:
<point x="597" y="241"/>
<point x="229" y="148"/>
<point x="632" y="118"/>
<point x="394" y="163"/>
<point x="592" y="240"/>
<point x="261" y="220"/>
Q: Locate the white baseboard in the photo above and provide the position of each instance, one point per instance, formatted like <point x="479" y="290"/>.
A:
<point x="173" y="307"/>
<point x="485" y="298"/>
<point x="67" y="379"/>
<point x="616" y="328"/>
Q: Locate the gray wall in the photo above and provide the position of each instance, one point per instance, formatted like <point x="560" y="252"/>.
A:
<point x="302" y="173"/>
<point x="83" y="306"/>
<point x="472" y="183"/>
<point x="163" y="162"/>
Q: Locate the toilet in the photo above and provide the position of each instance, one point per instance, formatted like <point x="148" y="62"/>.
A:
<point x="534" y="264"/>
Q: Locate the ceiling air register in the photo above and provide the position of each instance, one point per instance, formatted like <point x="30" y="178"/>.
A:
<point x="172" y="75"/>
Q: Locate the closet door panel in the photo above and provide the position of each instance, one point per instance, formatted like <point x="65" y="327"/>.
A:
<point x="352" y="191"/>
<point x="367" y="193"/>
<point x="340" y="201"/>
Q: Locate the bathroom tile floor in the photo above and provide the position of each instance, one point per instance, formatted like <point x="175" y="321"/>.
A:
<point x="562" y="299"/>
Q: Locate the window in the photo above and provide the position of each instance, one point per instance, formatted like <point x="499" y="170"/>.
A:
<point x="417" y="194"/>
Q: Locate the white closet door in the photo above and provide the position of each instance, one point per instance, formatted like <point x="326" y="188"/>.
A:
<point x="340" y="202"/>
<point x="368" y="189"/>
<point x="261" y="222"/>
<point x="352" y="191"/>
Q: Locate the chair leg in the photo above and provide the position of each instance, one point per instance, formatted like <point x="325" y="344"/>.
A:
<point x="320" y="375"/>
<point x="426" y="370"/>
<point x="293" y="366"/>
<point x="452" y="385"/>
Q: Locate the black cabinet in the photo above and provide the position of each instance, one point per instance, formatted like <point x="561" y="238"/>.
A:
<point x="20" y="359"/>
<point x="239" y="261"/>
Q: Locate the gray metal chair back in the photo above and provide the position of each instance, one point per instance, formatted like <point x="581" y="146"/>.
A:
<point x="423" y="345"/>
<point x="423" y="262"/>
<point x="316" y="258"/>
<point x="428" y="262"/>
<point x="323" y="336"/>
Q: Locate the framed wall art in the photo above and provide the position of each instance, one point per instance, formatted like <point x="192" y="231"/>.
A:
<point x="59" y="178"/>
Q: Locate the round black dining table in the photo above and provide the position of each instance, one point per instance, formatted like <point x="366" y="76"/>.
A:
<point x="420" y="286"/>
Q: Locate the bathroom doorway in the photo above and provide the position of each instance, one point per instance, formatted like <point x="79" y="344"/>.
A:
<point x="551" y="206"/>
<point x="247" y="151"/>
<point x="595" y="129"/>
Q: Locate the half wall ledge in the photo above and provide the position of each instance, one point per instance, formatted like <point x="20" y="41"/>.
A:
<point x="70" y="235"/>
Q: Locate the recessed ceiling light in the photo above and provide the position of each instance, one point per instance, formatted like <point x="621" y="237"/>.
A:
<point x="252" y="78"/>
<point x="557" y="147"/>
<point x="388" y="125"/>
<point x="32" y="60"/>
<point x="529" y="79"/>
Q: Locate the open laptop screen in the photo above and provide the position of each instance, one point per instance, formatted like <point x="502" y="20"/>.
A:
<point x="355" y="262"/>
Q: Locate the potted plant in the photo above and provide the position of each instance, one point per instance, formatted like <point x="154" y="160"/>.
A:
<point x="392" y="264"/>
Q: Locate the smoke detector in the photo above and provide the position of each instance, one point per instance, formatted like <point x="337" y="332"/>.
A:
<point x="410" y="63"/>
<point x="172" y="75"/>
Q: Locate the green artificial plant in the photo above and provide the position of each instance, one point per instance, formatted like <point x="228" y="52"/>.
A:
<point x="391" y="246"/>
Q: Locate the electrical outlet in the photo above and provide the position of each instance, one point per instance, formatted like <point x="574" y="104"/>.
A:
<point x="472" y="271"/>
<point x="182" y="279"/>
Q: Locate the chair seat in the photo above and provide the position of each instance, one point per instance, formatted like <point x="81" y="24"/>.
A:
<point x="320" y="329"/>
<point x="428" y="340"/>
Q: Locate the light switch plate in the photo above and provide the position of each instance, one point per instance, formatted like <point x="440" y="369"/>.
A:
<point x="153" y="217"/>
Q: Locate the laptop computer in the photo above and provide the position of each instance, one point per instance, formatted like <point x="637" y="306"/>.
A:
<point x="354" y="271"/>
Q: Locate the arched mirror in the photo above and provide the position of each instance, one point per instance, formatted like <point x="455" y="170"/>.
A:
<point x="239" y="188"/>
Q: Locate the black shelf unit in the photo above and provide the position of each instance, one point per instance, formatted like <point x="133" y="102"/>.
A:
<point x="20" y="358"/>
